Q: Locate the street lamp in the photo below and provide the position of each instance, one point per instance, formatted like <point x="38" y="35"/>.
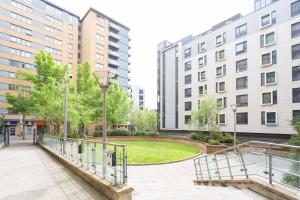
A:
<point x="234" y="108"/>
<point x="103" y="78"/>
<point x="68" y="76"/>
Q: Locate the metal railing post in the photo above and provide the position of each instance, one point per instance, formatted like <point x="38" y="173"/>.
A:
<point x="270" y="165"/>
<point x="200" y="168"/>
<point x="115" y="168"/>
<point x="207" y="168"/>
<point x="95" y="156"/>
<point x="229" y="168"/>
<point x="87" y="155"/>
<point x="217" y="167"/>
<point x="243" y="163"/>
<point x="196" y="171"/>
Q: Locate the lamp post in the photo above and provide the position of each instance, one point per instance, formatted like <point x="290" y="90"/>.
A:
<point x="67" y="77"/>
<point x="103" y="78"/>
<point x="234" y="108"/>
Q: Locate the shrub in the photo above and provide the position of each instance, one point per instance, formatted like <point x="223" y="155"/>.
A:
<point x="217" y="136"/>
<point x="213" y="142"/>
<point x="227" y="138"/>
<point x="98" y="134"/>
<point x="75" y="135"/>
<point x="200" y="136"/>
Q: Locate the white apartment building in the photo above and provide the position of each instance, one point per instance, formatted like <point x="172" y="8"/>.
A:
<point x="137" y="94"/>
<point x="251" y="61"/>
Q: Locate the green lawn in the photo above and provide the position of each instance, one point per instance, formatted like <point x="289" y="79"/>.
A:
<point x="148" y="152"/>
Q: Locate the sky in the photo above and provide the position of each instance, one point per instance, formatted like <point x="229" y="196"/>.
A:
<point x="153" y="21"/>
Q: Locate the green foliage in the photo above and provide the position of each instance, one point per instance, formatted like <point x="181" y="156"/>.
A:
<point x="205" y="117"/>
<point x="119" y="132"/>
<point x="118" y="105"/>
<point x="143" y="120"/>
<point x="213" y="142"/>
<point x="221" y="137"/>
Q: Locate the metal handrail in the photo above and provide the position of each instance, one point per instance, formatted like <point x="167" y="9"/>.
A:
<point x="90" y="154"/>
<point x="253" y="158"/>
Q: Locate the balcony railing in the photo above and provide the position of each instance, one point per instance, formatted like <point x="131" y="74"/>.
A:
<point x="274" y="163"/>
<point x="113" y="62"/>
<point x="114" y="53"/>
<point x="113" y="44"/>
<point x="114" y="36"/>
<point x="114" y="26"/>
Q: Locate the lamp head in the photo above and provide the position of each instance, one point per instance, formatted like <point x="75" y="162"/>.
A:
<point x="103" y="77"/>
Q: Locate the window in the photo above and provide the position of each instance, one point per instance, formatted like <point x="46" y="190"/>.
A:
<point x="70" y="36"/>
<point x="70" y="46"/>
<point x="242" y="83"/>
<point x="70" y="55"/>
<point x="18" y="64"/>
<point x="295" y="8"/>
<point x="296" y="51"/>
<point x="262" y="3"/>
<point x="53" y="30"/>
<point x="241" y="31"/>
<point x="202" y="76"/>
<point x="220" y="87"/>
<point x="21" y="6"/>
<point x="295" y="30"/>
<point x="242" y="118"/>
<point x="242" y="100"/>
<point x="53" y="10"/>
<point x="296" y="73"/>
<point x="187" y="66"/>
<point x="269" y="58"/>
<point x="99" y="46"/>
<point x="220" y="55"/>
<point x="241" y="65"/>
<point x="202" y="61"/>
<point x="202" y="47"/>
<point x="53" y="20"/>
<point x="269" y="98"/>
<point x="20" y="41"/>
<point x="2" y="98"/>
<point x="241" y="48"/>
<point x="221" y="119"/>
<point x="296" y="113"/>
<point x="222" y="102"/>
<point x="268" y="118"/>
<point x="220" y="39"/>
<point x="99" y="37"/>
<point x="187" y="52"/>
<point x="70" y="66"/>
<point x="20" y="29"/>
<point x="4" y="86"/>
<point x="187" y="119"/>
<point x="100" y="28"/>
<point x="268" y="19"/>
<point x="7" y="74"/>
<point x="296" y="95"/>
<point x="267" y="39"/>
<point x="188" y="79"/>
<point x="21" y="18"/>
<point x="99" y="56"/>
<point x="188" y="106"/>
<point x="20" y="53"/>
<point x="221" y="71"/>
<point x="52" y="51"/>
<point x="188" y="92"/>
<point x="202" y="89"/>
<point x="99" y="66"/>
<point x="268" y="78"/>
<point x="70" y="26"/>
<point x="53" y="40"/>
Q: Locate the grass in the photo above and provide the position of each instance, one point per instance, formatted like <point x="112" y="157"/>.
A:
<point x="149" y="152"/>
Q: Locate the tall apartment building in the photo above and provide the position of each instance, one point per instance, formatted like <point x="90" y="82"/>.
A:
<point x="105" y="44"/>
<point x="137" y="94"/>
<point x="30" y="26"/>
<point x="251" y="61"/>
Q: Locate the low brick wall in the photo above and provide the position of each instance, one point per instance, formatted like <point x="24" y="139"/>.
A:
<point x="103" y="186"/>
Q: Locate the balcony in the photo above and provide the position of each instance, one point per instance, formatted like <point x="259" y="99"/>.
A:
<point x="115" y="27"/>
<point x="114" y="54"/>
<point x="114" y="36"/>
<point x="114" y="45"/>
<point x="113" y="63"/>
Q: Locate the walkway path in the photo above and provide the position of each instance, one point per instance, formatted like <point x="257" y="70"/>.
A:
<point x="174" y="182"/>
<point x="27" y="172"/>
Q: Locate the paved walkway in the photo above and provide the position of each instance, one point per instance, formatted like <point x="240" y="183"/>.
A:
<point x="27" y="172"/>
<point x="174" y="182"/>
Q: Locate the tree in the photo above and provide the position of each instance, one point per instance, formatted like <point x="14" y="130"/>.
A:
<point x="118" y="105"/>
<point x="89" y="97"/>
<point x="20" y="104"/>
<point x="143" y="120"/>
<point x="291" y="179"/>
<point x="205" y="116"/>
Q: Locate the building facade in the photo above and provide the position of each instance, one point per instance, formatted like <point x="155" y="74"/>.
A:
<point x="137" y="94"/>
<point x="251" y="61"/>
<point x="30" y="26"/>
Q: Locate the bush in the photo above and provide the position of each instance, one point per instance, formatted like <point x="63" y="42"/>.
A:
<point x="200" y="136"/>
<point x="98" y="134"/>
<point x="213" y="142"/>
<point x="119" y="132"/>
<point x="227" y="138"/>
<point x="75" y="135"/>
<point x="216" y="136"/>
